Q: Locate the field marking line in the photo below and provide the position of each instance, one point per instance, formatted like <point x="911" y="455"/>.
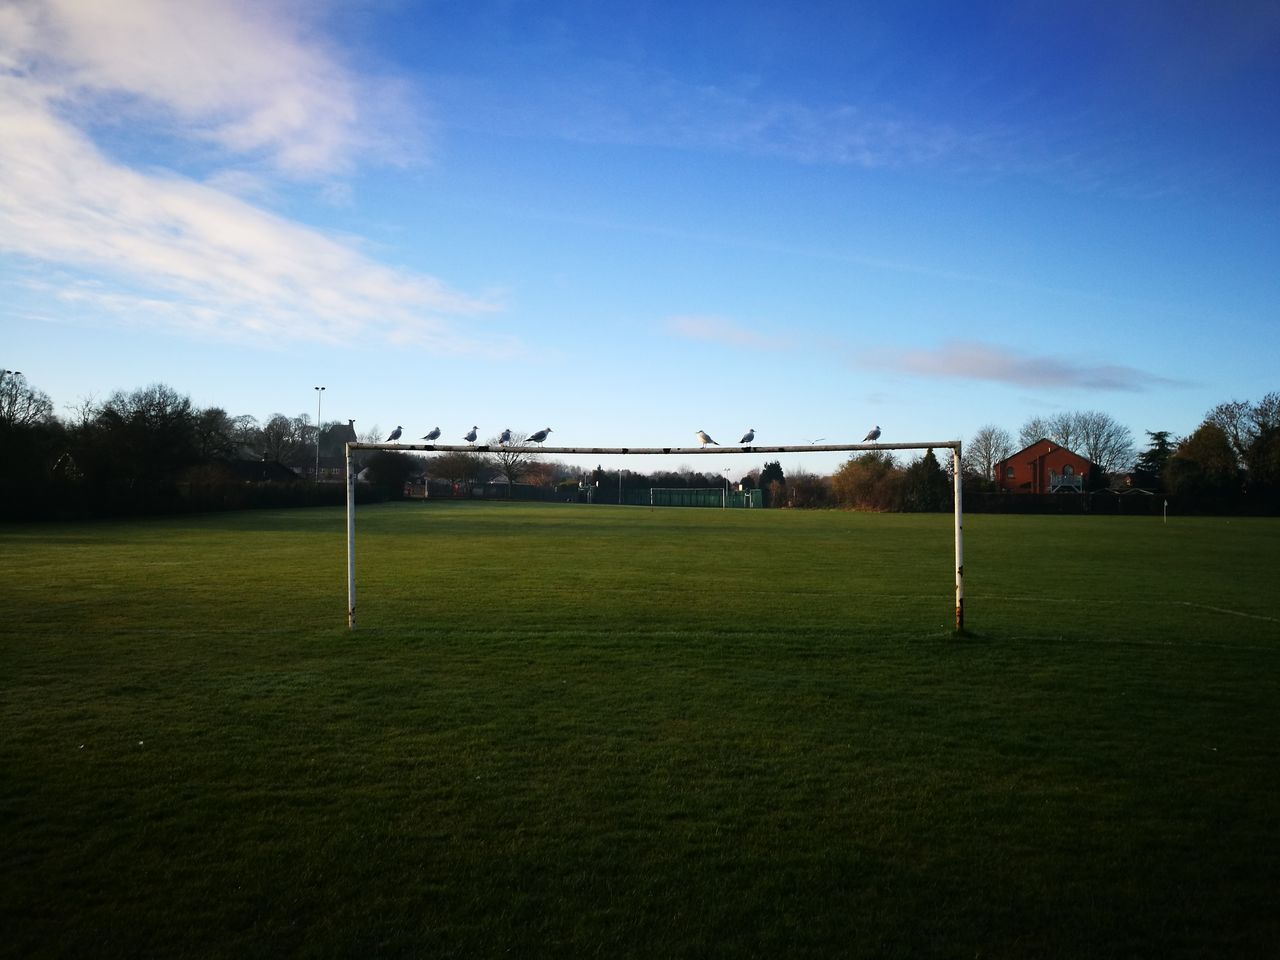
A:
<point x="1151" y="603"/>
<point x="1130" y="642"/>
<point x="1234" y="613"/>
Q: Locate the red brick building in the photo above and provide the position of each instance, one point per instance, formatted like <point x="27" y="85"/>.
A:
<point x="1043" y="467"/>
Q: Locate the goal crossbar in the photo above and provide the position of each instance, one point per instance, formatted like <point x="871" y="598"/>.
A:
<point x="952" y="445"/>
<point x="669" y="451"/>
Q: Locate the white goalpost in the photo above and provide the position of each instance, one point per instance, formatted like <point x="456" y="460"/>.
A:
<point x="952" y="445"/>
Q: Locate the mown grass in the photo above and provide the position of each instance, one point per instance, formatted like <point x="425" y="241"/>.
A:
<point x="563" y="730"/>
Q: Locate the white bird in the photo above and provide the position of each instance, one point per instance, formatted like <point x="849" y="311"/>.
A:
<point x="471" y="435"/>
<point x="704" y="439"/>
<point x="540" y="435"/>
<point x="749" y="435"/>
<point x="873" y="434"/>
<point x="395" y="434"/>
<point x="433" y="434"/>
<point x="506" y="436"/>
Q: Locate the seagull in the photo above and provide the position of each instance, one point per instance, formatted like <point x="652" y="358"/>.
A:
<point x="395" y="435"/>
<point x="704" y="439"/>
<point x="540" y="435"/>
<point x="506" y="436"/>
<point x="433" y="434"/>
<point x="873" y="434"/>
<point x="471" y="435"/>
<point x="749" y="435"/>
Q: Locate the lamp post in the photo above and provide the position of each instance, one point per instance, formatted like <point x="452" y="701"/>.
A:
<point x="319" y="396"/>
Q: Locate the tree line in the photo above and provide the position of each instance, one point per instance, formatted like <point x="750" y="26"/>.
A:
<point x="146" y="450"/>
<point x="152" y="449"/>
<point x="1231" y="459"/>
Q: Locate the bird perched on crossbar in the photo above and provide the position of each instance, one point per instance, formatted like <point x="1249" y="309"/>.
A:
<point x="872" y="435"/>
<point x="506" y="436"/>
<point x="540" y="435"/>
<point x="471" y="435"/>
<point x="395" y="434"/>
<point x="749" y="435"/>
<point x="434" y="434"/>
<point x="704" y="438"/>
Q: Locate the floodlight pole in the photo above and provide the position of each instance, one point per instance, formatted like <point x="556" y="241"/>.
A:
<point x="319" y="394"/>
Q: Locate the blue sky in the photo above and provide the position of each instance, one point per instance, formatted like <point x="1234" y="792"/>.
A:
<point x="632" y="221"/>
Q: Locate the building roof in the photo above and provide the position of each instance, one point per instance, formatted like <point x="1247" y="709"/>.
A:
<point x="1054" y="447"/>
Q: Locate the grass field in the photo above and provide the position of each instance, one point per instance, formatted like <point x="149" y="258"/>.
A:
<point x="616" y="732"/>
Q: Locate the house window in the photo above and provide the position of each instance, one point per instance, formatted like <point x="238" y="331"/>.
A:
<point x="1068" y="470"/>
<point x="1008" y="473"/>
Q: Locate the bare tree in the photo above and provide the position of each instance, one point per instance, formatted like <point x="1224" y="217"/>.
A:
<point x="1266" y="412"/>
<point x="1235" y="419"/>
<point x="82" y="413"/>
<point x="284" y="439"/>
<point x="513" y="459"/>
<point x="21" y="405"/>
<point x="244" y="430"/>
<point x="1104" y="440"/>
<point x="987" y="447"/>
<point x="1090" y="433"/>
<point x="458" y="467"/>
<point x="1037" y="428"/>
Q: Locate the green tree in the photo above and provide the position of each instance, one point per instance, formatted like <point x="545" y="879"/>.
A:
<point x="387" y="472"/>
<point x="215" y="434"/>
<point x="924" y="485"/>
<point x="145" y="436"/>
<point x="810" y="490"/>
<point x="770" y="474"/>
<point x="872" y="481"/>
<point x="1203" y="465"/>
<point x="1156" y="457"/>
<point x="1263" y="461"/>
<point x="1152" y="462"/>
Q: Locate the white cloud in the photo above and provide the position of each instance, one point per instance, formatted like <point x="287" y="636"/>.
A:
<point x="162" y="246"/>
<point x="236" y="74"/>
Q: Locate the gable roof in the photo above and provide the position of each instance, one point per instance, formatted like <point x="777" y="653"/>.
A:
<point x="1054" y="447"/>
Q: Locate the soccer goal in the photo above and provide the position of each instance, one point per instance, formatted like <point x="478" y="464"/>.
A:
<point x="687" y="497"/>
<point x="952" y="445"/>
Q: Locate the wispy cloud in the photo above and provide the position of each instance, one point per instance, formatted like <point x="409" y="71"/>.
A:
<point x="189" y="255"/>
<point x="622" y="103"/>
<point x="970" y="360"/>
<point x="712" y="329"/>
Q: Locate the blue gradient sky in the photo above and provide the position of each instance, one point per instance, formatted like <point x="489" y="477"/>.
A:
<point x="629" y="222"/>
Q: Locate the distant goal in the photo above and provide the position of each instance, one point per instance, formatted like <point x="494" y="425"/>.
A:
<point x="687" y="497"/>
